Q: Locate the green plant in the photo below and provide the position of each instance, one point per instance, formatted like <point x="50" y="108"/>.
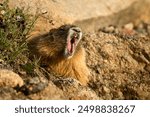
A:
<point x="15" y="25"/>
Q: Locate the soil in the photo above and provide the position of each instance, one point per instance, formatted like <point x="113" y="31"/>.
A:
<point x="119" y="61"/>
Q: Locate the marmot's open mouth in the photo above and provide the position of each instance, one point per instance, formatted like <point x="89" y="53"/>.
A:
<point x="73" y="38"/>
<point x="71" y="45"/>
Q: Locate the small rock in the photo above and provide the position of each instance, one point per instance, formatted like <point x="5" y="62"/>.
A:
<point x="3" y="12"/>
<point x="141" y="28"/>
<point x="129" y="26"/>
<point x="9" y="78"/>
<point x="34" y="85"/>
<point x="109" y="29"/>
<point x="106" y="90"/>
<point x="128" y="30"/>
<point x="51" y="92"/>
<point x="34" y="80"/>
<point x="44" y="11"/>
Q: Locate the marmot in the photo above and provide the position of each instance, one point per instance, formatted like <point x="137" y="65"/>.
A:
<point x="61" y="50"/>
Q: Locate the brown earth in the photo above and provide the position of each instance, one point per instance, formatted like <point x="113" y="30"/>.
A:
<point x="120" y="69"/>
<point x="119" y="60"/>
<point x="120" y="65"/>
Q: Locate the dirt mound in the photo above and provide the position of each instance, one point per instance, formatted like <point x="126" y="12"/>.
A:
<point x="119" y="65"/>
<point x="118" y="58"/>
<point x="119" y="61"/>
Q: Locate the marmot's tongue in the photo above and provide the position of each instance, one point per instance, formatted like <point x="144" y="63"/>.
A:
<point x="70" y="47"/>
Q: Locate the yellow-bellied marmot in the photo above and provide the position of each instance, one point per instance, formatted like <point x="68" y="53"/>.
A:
<point x="62" y="52"/>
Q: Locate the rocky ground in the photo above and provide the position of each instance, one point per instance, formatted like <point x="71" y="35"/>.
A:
<point x="118" y="55"/>
<point x="119" y="61"/>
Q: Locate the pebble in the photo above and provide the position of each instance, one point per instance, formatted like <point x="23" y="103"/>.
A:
<point x="106" y="90"/>
<point x="3" y="12"/>
<point x="109" y="29"/>
<point x="44" y="11"/>
<point x="129" y="26"/>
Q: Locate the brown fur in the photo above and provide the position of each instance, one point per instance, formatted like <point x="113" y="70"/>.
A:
<point x="50" y="48"/>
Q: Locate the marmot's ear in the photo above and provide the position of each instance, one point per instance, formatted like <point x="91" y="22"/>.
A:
<point x="52" y="34"/>
<point x="52" y="30"/>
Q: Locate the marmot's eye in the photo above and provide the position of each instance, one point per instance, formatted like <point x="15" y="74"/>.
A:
<point x="76" y="30"/>
<point x="61" y="29"/>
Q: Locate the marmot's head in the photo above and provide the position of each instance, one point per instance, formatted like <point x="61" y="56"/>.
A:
<point x="68" y="37"/>
<point x="62" y="42"/>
